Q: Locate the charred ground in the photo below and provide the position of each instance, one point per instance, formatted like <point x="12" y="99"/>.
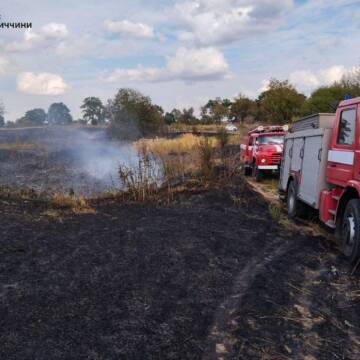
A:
<point x="83" y="160"/>
<point x="209" y="275"/>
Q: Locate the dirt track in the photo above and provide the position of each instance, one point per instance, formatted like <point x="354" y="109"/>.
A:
<point x="204" y="277"/>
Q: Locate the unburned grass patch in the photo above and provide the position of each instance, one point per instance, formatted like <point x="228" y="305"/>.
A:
<point x="72" y="203"/>
<point x="178" y="157"/>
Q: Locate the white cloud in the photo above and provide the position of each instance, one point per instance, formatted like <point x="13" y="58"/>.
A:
<point x="264" y="86"/>
<point x="32" y="40"/>
<point x="55" y="30"/>
<point x="304" y="79"/>
<point x="307" y="80"/>
<point x="187" y="64"/>
<point x="41" y="84"/>
<point x="3" y="65"/>
<point x="219" y="22"/>
<point x="129" y="28"/>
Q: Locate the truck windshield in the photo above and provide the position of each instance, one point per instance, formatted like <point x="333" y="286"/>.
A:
<point x="271" y="140"/>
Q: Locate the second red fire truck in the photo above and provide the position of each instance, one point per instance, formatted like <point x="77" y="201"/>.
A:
<point x="262" y="150"/>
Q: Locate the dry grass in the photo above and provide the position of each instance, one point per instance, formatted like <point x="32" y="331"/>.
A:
<point x="178" y="157"/>
<point x="141" y="182"/>
<point x="198" y="128"/>
<point x="75" y="204"/>
<point x="20" y="146"/>
<point x="275" y="212"/>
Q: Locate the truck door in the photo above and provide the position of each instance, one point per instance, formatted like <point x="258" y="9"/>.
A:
<point x="249" y="153"/>
<point x="297" y="154"/>
<point x="340" y="167"/>
<point x="285" y="164"/>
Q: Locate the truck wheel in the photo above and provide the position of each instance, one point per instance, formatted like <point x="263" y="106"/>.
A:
<point x="257" y="173"/>
<point x="350" y="230"/>
<point x="247" y="170"/>
<point x="294" y="206"/>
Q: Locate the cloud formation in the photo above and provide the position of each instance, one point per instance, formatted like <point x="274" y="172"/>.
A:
<point x="125" y="27"/>
<point x="49" y="33"/>
<point x="187" y="64"/>
<point x="3" y="65"/>
<point x="41" y="84"/>
<point x="212" y="22"/>
<point x="309" y="80"/>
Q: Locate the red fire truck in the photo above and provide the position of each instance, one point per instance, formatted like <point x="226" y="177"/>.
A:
<point x="262" y="151"/>
<point x="321" y="168"/>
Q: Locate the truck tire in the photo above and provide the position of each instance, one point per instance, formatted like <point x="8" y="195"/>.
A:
<point x="350" y="230"/>
<point x="294" y="206"/>
<point x="247" y="170"/>
<point x="257" y="173"/>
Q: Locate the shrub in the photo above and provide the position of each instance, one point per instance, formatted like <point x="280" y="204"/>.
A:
<point x="275" y="212"/>
<point x="206" y="151"/>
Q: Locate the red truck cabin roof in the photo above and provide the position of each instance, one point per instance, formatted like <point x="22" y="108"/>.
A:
<point x="268" y="134"/>
<point x="268" y="130"/>
<point x="353" y="101"/>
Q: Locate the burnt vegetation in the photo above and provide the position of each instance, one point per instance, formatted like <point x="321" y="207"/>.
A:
<point x="158" y="248"/>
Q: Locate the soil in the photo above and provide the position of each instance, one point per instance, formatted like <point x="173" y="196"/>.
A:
<point x="209" y="275"/>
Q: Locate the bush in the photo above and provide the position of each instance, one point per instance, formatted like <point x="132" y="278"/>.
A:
<point x="223" y="137"/>
<point x="206" y="151"/>
<point x="140" y="183"/>
<point x="275" y="212"/>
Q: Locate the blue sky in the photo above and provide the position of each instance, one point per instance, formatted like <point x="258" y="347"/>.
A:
<point x="179" y="52"/>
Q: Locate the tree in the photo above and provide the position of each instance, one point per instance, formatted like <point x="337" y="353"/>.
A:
<point x="281" y="103"/>
<point x="59" y="114"/>
<point x="242" y="107"/>
<point x="215" y="110"/>
<point x="35" y="117"/>
<point x="133" y="115"/>
<point x="2" y="112"/>
<point x="93" y="110"/>
<point x="188" y="117"/>
<point x="176" y="113"/>
<point x="326" y="98"/>
<point x="169" y="118"/>
<point x="351" y="79"/>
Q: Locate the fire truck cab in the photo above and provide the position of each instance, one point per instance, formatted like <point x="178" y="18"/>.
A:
<point x="321" y="168"/>
<point x="262" y="150"/>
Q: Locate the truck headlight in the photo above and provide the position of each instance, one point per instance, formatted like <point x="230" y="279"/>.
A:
<point x="263" y="160"/>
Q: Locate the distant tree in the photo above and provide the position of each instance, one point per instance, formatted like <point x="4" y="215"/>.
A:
<point x="35" y="117"/>
<point x="2" y="113"/>
<point x="176" y="113"/>
<point x="326" y="98"/>
<point x="169" y="118"/>
<point x="133" y="115"/>
<point x="10" y="124"/>
<point x="280" y="103"/>
<point x="187" y="117"/>
<point x="351" y="79"/>
<point x="214" y="111"/>
<point x="93" y="110"/>
<point x="59" y="114"/>
<point x="242" y="107"/>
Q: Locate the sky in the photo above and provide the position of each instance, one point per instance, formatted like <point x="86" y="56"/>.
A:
<point x="179" y="52"/>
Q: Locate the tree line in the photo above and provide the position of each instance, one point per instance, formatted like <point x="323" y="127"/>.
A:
<point x="131" y="114"/>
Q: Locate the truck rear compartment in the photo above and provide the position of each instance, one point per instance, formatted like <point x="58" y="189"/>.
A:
<point x="305" y="158"/>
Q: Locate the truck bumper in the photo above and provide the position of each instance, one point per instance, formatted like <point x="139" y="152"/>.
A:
<point x="268" y="167"/>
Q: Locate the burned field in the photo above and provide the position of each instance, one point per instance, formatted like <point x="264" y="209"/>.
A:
<point x="62" y="159"/>
<point x="209" y="275"/>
